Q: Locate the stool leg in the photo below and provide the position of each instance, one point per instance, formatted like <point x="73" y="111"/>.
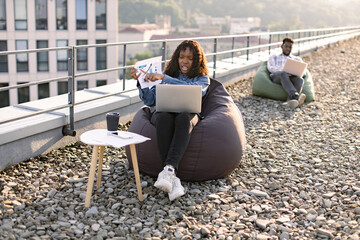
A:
<point x="136" y="170"/>
<point x="91" y="175"/>
<point x="101" y="155"/>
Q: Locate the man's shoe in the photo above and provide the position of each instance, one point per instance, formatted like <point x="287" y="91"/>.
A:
<point x="177" y="189"/>
<point x="301" y="99"/>
<point x="293" y="103"/>
<point x="166" y="179"/>
<point x="293" y="95"/>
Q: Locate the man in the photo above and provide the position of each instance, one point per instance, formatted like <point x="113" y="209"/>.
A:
<point x="292" y="84"/>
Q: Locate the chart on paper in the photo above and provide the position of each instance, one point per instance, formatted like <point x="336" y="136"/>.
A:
<point x="150" y="65"/>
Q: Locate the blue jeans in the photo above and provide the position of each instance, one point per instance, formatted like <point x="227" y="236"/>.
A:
<point x="292" y="84"/>
<point x="173" y="132"/>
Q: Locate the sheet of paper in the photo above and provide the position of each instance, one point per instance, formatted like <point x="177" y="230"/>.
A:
<point x="101" y="137"/>
<point x="150" y="65"/>
<point x="119" y="142"/>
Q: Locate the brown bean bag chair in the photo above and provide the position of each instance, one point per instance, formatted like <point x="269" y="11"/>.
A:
<point x="216" y="146"/>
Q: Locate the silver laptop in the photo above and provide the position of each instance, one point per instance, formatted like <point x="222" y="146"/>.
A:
<point x="295" y="67"/>
<point x="178" y="98"/>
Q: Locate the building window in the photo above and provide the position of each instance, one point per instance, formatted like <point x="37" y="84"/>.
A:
<point x="101" y="83"/>
<point x="100" y="56"/>
<point x="100" y="14"/>
<point x="81" y="56"/>
<point x="62" y="56"/>
<point x="22" y="63"/>
<point x="43" y="90"/>
<point x="41" y="14"/>
<point x="82" y="84"/>
<point x="61" y="14"/>
<point x="2" y="15"/>
<point x="42" y="57"/>
<point x="23" y="94"/>
<point x="81" y="14"/>
<point x="62" y="87"/>
<point x="3" y="58"/>
<point x="4" y="96"/>
<point x="20" y="14"/>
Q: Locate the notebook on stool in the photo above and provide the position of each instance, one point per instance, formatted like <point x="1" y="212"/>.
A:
<point x="295" y="67"/>
<point x="178" y="98"/>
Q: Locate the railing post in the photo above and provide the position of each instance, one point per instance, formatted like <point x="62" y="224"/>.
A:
<point x="259" y="43"/>
<point x="124" y="64"/>
<point x="248" y="45"/>
<point x="71" y="92"/>
<point x="299" y="36"/>
<point x="269" y="44"/>
<point x="232" y="48"/>
<point x="163" y="53"/>
<point x="214" y="57"/>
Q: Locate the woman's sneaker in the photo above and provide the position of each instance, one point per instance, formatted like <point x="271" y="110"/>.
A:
<point x="166" y="179"/>
<point x="177" y="189"/>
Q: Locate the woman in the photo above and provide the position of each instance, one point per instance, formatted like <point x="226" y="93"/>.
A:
<point x="187" y="66"/>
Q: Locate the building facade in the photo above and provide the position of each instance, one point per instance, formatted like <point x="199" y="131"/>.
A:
<point x="35" y="24"/>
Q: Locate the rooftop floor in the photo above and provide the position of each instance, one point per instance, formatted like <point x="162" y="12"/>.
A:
<point x="303" y="162"/>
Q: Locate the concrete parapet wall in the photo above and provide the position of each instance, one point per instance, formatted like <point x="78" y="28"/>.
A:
<point x="33" y="136"/>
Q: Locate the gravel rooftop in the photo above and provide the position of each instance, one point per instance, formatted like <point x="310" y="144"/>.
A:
<point x="299" y="177"/>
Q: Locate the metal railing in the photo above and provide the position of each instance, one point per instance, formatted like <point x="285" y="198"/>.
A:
<point x="247" y="43"/>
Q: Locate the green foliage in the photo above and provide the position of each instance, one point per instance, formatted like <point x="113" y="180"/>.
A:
<point x="283" y="25"/>
<point x="143" y="55"/>
<point x="274" y="14"/>
<point x="131" y="11"/>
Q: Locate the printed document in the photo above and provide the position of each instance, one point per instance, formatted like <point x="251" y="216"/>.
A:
<point x="150" y="65"/>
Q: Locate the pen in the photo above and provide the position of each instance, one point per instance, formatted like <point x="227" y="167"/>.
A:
<point x="149" y="68"/>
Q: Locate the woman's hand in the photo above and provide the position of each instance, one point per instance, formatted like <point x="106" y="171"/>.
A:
<point x="154" y="77"/>
<point x="134" y="74"/>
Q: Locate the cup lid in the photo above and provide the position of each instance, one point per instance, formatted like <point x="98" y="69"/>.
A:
<point x="113" y="114"/>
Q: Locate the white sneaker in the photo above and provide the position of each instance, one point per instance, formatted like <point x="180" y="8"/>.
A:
<point x="177" y="189"/>
<point x="293" y="103"/>
<point x="301" y="99"/>
<point x="166" y="179"/>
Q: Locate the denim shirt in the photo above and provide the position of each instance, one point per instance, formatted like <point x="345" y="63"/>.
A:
<point x="148" y="95"/>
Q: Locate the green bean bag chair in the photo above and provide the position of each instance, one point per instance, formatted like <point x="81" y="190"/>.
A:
<point x="264" y="87"/>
